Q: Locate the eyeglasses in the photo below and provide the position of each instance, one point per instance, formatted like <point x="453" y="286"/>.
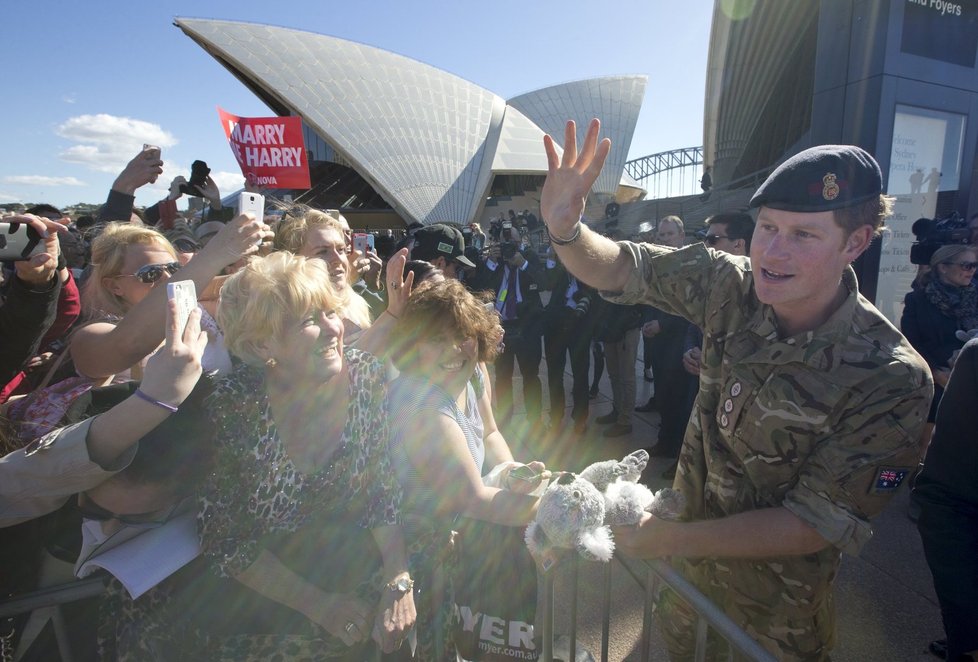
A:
<point x="153" y="272"/>
<point x="91" y="510"/>
<point x="712" y="239"/>
<point x="966" y="266"/>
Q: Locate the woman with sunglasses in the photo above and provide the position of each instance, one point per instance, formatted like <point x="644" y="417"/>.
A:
<point x="127" y="308"/>
<point x="945" y="302"/>
<point x="445" y="440"/>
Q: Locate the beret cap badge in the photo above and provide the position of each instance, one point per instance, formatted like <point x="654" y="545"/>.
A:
<point x="830" y="190"/>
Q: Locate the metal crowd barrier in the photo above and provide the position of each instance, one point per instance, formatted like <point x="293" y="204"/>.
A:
<point x="709" y="615"/>
<point x="47" y="602"/>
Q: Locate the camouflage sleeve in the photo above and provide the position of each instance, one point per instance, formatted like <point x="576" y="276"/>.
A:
<point x="853" y="473"/>
<point x="676" y="281"/>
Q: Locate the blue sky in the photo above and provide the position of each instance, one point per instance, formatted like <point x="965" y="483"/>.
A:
<point x="86" y="83"/>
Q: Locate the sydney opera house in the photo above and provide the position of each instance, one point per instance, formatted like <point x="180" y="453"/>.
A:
<point x="404" y="142"/>
<point x="385" y="132"/>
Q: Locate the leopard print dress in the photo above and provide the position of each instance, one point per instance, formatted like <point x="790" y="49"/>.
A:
<point x="257" y="499"/>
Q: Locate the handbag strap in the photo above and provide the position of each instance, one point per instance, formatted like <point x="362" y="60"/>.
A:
<point x="54" y="367"/>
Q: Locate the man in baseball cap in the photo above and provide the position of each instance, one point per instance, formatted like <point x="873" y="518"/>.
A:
<point x="443" y="246"/>
<point x="810" y="403"/>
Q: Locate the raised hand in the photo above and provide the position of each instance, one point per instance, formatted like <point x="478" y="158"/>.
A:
<point x="39" y="269"/>
<point x="368" y="267"/>
<point x="240" y="237"/>
<point x="175" y="185"/>
<point x="172" y="372"/>
<point x="570" y="177"/>
<point x="143" y="169"/>
<point x="210" y="190"/>
<point x="398" y="287"/>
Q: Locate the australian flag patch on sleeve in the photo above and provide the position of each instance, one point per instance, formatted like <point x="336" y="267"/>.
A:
<point x="888" y="479"/>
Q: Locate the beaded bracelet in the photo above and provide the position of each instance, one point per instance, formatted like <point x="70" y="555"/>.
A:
<point x="143" y="396"/>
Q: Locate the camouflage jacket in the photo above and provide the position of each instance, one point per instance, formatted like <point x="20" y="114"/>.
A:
<point x="825" y="424"/>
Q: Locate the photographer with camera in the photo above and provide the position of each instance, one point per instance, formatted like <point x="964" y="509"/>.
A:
<point x="145" y="168"/>
<point x="515" y="276"/>
<point x="568" y="328"/>
<point x="30" y="305"/>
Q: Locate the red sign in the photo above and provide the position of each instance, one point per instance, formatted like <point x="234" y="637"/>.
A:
<point x="270" y="150"/>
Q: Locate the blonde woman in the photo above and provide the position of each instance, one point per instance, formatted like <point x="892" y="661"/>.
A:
<point x="318" y="234"/>
<point x="302" y="475"/>
<point x="125" y="294"/>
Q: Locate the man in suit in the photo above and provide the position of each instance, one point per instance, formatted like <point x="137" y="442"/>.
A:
<point x="568" y="327"/>
<point x="514" y="273"/>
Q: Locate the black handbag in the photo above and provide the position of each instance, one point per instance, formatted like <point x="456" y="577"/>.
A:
<point x="496" y="593"/>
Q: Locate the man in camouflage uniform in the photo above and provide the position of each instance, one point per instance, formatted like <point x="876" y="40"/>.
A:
<point x="810" y="401"/>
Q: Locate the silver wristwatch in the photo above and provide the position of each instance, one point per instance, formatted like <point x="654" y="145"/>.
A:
<point x="401" y="585"/>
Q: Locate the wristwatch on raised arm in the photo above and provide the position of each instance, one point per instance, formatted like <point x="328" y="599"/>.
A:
<point x="401" y="585"/>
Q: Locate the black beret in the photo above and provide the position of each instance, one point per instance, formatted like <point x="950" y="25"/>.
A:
<point x="821" y="178"/>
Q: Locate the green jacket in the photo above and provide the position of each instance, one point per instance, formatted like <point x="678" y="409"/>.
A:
<point x="825" y="424"/>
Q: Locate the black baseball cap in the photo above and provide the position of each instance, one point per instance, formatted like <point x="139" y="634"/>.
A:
<point x="822" y="178"/>
<point x="442" y="240"/>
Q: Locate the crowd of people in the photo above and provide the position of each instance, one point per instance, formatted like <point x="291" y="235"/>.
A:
<point x="300" y="448"/>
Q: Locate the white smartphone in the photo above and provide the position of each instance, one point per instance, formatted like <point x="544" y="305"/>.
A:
<point x="253" y="202"/>
<point x="185" y="294"/>
<point x="19" y="241"/>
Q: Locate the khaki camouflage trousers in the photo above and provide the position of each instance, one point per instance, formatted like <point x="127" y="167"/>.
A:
<point x="761" y="616"/>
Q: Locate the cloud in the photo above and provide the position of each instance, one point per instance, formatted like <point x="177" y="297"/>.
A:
<point x="41" y="180"/>
<point x="228" y="182"/>
<point x="70" y="98"/>
<point x="6" y="197"/>
<point x="107" y="142"/>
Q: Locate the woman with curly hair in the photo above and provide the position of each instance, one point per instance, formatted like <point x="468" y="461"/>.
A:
<point x="446" y="440"/>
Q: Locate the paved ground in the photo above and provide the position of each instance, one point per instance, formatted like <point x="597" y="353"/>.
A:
<point x="886" y="607"/>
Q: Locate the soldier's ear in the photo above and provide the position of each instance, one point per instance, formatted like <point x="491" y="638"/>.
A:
<point x="858" y="241"/>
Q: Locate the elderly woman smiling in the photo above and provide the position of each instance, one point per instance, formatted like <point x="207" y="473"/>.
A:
<point x="302" y="473"/>
<point x="318" y="234"/>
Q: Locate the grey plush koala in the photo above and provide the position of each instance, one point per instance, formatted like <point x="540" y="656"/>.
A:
<point x="575" y="510"/>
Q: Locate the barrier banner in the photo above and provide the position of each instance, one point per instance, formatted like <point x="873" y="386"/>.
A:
<point x="269" y="150"/>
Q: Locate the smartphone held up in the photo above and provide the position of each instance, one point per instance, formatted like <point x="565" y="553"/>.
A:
<point x="184" y="292"/>
<point x="19" y="241"/>
<point x="251" y="202"/>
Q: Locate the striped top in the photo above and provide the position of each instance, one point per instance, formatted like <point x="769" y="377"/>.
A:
<point x="411" y="402"/>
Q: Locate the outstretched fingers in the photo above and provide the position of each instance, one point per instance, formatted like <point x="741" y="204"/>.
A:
<point x="570" y="145"/>
<point x="551" y="149"/>
<point x="597" y="162"/>
<point x="588" y="154"/>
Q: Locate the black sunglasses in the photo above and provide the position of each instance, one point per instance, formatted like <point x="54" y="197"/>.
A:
<point x="967" y="266"/>
<point x="712" y="239"/>
<point x="91" y="510"/>
<point x="153" y="272"/>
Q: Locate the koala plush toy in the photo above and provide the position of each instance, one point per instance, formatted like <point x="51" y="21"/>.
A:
<point x="576" y="509"/>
